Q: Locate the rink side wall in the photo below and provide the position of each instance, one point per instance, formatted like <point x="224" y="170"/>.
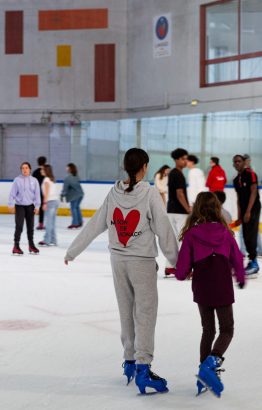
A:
<point x="95" y="193"/>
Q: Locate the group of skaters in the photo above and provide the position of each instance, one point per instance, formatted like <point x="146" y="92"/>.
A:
<point x="182" y="196"/>
<point x="196" y="240"/>
<point x="134" y="215"/>
<point x="38" y="194"/>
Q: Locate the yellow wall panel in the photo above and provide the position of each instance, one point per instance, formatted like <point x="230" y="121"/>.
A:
<point x="64" y="56"/>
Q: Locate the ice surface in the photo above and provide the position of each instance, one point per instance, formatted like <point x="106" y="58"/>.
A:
<point x="59" y="335"/>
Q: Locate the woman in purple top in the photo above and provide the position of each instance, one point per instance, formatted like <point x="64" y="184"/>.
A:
<point x="24" y="201"/>
<point x="209" y="254"/>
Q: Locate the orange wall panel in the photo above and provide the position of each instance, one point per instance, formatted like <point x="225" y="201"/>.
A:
<point x="72" y="19"/>
<point x="29" y="86"/>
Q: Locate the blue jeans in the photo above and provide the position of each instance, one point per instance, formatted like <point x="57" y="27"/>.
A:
<point x="50" y="217"/>
<point x="75" y="211"/>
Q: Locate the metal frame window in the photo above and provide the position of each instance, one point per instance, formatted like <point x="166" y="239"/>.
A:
<point x="230" y="42"/>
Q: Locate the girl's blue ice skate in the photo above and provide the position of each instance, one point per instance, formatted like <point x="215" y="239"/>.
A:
<point x="129" y="370"/>
<point x="147" y="379"/>
<point x="209" y="373"/>
<point x="201" y="388"/>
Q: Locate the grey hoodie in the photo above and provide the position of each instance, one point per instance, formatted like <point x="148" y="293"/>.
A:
<point x="133" y="219"/>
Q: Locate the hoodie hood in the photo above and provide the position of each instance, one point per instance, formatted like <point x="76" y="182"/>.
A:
<point x="210" y="234"/>
<point x="128" y="200"/>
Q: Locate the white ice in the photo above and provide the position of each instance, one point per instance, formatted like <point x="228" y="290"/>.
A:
<point x="72" y="359"/>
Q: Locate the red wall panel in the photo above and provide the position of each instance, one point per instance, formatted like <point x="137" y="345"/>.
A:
<point x="104" y="72"/>
<point x="14" y="25"/>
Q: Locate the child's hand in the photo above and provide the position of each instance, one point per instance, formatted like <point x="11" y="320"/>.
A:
<point x="189" y="276"/>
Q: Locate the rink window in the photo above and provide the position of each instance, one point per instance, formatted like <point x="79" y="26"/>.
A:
<point x="230" y="42"/>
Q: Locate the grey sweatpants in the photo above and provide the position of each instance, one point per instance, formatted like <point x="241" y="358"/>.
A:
<point x="136" y="291"/>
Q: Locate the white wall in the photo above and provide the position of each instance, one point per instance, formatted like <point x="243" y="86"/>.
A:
<point x="174" y="80"/>
<point x="60" y="89"/>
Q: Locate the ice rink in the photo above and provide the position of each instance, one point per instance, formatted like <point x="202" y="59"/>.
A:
<point x="59" y="335"/>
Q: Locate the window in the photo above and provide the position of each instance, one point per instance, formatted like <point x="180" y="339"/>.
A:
<point x="231" y="42"/>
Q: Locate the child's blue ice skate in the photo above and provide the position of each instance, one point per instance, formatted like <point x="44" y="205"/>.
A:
<point x="147" y="379"/>
<point x="209" y="374"/>
<point x="201" y="388"/>
<point x="129" y="370"/>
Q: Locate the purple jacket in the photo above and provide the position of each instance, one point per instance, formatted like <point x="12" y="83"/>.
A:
<point x="25" y="191"/>
<point x="212" y="253"/>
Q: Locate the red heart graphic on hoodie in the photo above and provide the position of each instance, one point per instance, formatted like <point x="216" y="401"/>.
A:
<point x="125" y="227"/>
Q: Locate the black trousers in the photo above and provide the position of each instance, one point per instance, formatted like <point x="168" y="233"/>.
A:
<point x="41" y="212"/>
<point x="250" y="232"/>
<point x="24" y="212"/>
<point x="226" y="330"/>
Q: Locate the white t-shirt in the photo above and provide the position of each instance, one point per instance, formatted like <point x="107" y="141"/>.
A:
<point x="161" y="184"/>
<point x="196" y="184"/>
<point x="52" y="193"/>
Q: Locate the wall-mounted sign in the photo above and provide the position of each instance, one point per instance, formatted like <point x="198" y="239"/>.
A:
<point x="162" y="36"/>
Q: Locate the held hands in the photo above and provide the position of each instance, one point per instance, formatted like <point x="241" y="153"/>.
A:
<point x="44" y="207"/>
<point x="236" y="223"/>
<point x="11" y="209"/>
<point x="36" y="211"/>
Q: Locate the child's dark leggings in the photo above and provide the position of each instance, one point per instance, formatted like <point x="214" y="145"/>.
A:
<point x="226" y="330"/>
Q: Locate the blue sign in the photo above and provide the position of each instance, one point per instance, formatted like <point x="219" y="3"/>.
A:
<point x="162" y="28"/>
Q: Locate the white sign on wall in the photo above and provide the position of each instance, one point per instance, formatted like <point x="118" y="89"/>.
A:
<point x="162" y="35"/>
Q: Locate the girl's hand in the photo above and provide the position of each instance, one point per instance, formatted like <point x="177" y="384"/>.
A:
<point x="44" y="207"/>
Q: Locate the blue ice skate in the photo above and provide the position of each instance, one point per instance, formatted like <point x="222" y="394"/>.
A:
<point x="147" y="379"/>
<point x="252" y="269"/>
<point x="208" y="374"/>
<point x="201" y="388"/>
<point x="129" y="370"/>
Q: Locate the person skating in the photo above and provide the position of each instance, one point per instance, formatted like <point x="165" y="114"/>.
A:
<point x="177" y="207"/>
<point x="161" y="180"/>
<point x="196" y="179"/>
<point x="38" y="175"/>
<point x="208" y="254"/>
<point x="249" y="206"/>
<point x="216" y="179"/>
<point x="134" y="214"/>
<point x="50" y="205"/>
<point x="24" y="201"/>
<point x="73" y="193"/>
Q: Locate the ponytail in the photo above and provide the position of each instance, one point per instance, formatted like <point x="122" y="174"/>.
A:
<point x="132" y="182"/>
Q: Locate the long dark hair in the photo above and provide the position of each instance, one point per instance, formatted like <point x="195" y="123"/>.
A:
<point x="134" y="160"/>
<point x="72" y="169"/>
<point x="207" y="208"/>
<point x="162" y="170"/>
<point x="49" y="172"/>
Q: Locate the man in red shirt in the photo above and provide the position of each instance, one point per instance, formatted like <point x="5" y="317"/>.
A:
<point x="216" y="179"/>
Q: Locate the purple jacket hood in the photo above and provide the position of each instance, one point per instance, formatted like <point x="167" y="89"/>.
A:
<point x="202" y="241"/>
<point x="208" y="238"/>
